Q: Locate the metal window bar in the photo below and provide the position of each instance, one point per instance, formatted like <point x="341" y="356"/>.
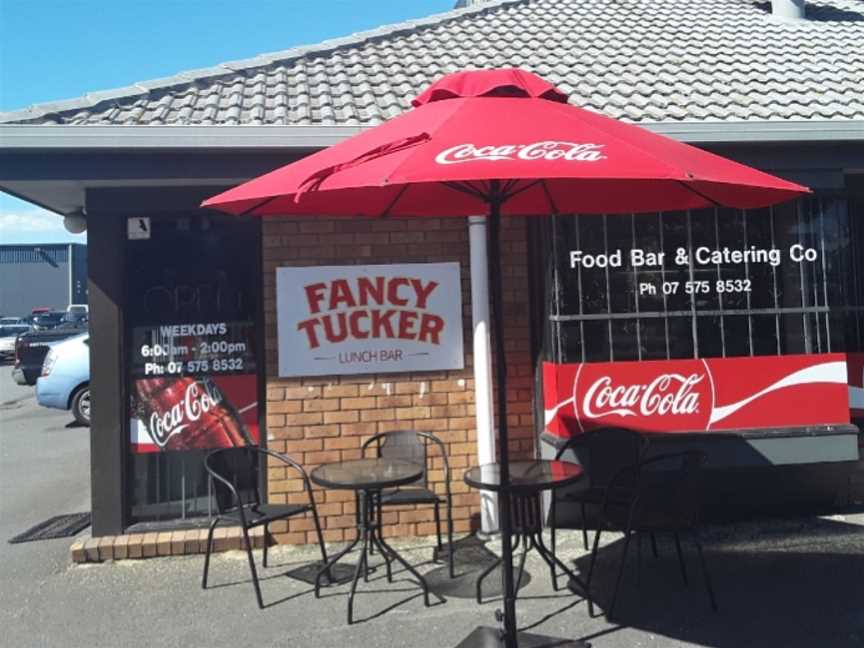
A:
<point x="663" y="283"/>
<point x="694" y="329"/>
<point x="824" y="274"/>
<point x="744" y="220"/>
<point x="808" y="343"/>
<point x="719" y="278"/>
<point x="608" y="289"/>
<point x="774" y="288"/>
<point x="636" y="290"/>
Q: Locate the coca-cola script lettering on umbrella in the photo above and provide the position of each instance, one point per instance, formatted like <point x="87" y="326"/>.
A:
<point x="502" y="142"/>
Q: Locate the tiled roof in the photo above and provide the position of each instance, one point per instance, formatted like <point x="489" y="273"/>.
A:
<point x="640" y="60"/>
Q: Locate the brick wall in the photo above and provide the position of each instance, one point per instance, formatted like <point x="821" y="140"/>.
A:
<point x="323" y="419"/>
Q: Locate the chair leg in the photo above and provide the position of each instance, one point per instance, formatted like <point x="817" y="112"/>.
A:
<point x="708" y="585"/>
<point x="654" y="545"/>
<point x="320" y="536"/>
<point x="553" y="523"/>
<point x="254" y="571"/>
<point x="478" y="584"/>
<point x="639" y="541"/>
<point x="266" y="543"/>
<point x="450" y="550"/>
<point x="591" y="571"/>
<point x="207" y="552"/>
<point x="620" y="576"/>
<point x="584" y="526"/>
<point x="522" y="565"/>
<point x="438" y="526"/>
<point x="378" y="514"/>
<point x="681" y="562"/>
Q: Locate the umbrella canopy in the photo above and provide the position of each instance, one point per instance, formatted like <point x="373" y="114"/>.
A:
<point x="470" y="128"/>
<point x="504" y="142"/>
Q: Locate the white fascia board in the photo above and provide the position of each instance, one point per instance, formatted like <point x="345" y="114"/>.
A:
<point x="23" y="137"/>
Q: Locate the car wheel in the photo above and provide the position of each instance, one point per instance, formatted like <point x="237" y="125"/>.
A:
<point x="81" y="406"/>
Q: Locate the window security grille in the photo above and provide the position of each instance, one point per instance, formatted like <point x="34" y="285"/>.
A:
<point x="607" y="314"/>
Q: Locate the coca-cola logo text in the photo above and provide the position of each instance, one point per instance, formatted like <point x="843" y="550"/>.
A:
<point x="668" y="393"/>
<point x="199" y="398"/>
<point x="546" y="150"/>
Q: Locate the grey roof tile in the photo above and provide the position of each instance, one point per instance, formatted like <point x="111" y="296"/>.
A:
<point x="637" y="60"/>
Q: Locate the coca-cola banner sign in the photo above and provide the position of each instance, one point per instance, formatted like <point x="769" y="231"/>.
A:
<point x="193" y="413"/>
<point x="369" y="319"/>
<point x="855" y="362"/>
<point x="697" y="395"/>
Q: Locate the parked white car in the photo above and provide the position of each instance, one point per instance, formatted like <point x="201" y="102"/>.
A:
<point x="8" y="334"/>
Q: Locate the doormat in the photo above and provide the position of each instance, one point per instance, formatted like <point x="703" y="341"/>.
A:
<point x="59" y="526"/>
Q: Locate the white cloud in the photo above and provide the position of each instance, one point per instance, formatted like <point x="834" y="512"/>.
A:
<point x="35" y="225"/>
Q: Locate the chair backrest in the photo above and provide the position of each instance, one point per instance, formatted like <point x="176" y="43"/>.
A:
<point x="408" y="445"/>
<point x="241" y="468"/>
<point x="604" y="452"/>
<point x="670" y="489"/>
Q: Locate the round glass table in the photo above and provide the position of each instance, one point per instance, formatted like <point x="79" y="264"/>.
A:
<point x="528" y="479"/>
<point x="367" y="477"/>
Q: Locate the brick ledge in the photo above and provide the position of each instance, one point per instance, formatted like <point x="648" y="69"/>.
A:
<point x="162" y="543"/>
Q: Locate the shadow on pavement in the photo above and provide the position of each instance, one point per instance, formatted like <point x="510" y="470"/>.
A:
<point x="800" y="587"/>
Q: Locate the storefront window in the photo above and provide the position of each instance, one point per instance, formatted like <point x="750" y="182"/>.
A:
<point x="704" y="283"/>
<point x="193" y="353"/>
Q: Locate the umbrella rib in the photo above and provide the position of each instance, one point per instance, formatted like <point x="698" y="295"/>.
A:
<point x="266" y="201"/>
<point x="393" y="202"/>
<point x="552" y="205"/>
<point x="479" y="189"/>
<point x="507" y="187"/>
<point x="466" y="189"/>
<point x="699" y="193"/>
<point x="508" y="195"/>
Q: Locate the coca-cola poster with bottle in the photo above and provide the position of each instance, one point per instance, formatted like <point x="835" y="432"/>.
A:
<point x="171" y="413"/>
<point x="194" y="386"/>
<point x="696" y="395"/>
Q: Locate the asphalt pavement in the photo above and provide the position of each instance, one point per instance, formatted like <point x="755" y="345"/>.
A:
<point x="783" y="583"/>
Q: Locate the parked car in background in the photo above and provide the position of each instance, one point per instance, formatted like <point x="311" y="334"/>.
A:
<point x="65" y="379"/>
<point x="6" y="321"/>
<point x="30" y="349"/>
<point x="45" y="321"/>
<point x="78" y="309"/>
<point x="8" y="335"/>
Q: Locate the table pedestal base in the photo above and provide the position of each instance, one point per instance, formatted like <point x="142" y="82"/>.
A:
<point x="369" y="534"/>
<point x="528" y="532"/>
<point x="486" y="637"/>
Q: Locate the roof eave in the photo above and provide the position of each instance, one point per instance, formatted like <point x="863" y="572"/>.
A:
<point x="27" y="137"/>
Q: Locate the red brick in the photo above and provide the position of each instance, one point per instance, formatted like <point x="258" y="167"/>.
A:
<point x="321" y="405"/>
<point x="340" y="391"/>
<point x="342" y="416"/>
<point x="365" y="402"/>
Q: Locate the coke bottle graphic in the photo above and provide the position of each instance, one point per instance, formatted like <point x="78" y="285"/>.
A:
<point x="188" y="413"/>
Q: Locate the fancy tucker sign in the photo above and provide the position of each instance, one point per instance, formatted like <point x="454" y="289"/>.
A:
<point x="369" y="319"/>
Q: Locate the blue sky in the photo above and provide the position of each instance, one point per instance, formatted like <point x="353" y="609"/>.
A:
<point x="60" y="49"/>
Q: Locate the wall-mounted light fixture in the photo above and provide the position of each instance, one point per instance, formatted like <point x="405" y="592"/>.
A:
<point x="76" y="222"/>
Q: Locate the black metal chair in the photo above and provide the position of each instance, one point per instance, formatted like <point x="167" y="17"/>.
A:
<point x="602" y="453"/>
<point x="234" y="475"/>
<point x="414" y="446"/>
<point x="665" y="496"/>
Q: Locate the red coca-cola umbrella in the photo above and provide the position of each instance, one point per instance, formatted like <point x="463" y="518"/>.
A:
<point x="502" y="142"/>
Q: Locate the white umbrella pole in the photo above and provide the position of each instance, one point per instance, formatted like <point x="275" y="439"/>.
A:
<point x="482" y="364"/>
